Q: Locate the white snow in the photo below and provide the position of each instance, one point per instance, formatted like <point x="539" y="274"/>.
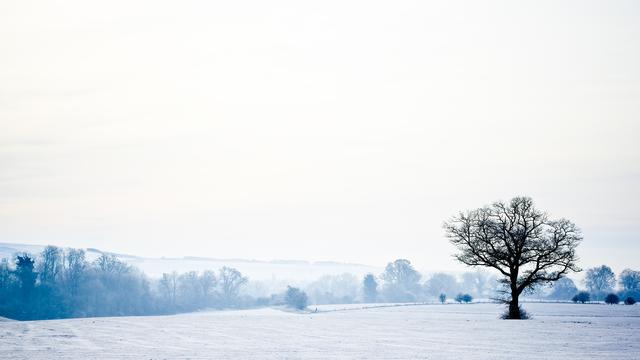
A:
<point x="473" y="331"/>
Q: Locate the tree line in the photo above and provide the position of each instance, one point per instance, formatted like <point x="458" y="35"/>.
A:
<point x="600" y="285"/>
<point x="62" y="283"/>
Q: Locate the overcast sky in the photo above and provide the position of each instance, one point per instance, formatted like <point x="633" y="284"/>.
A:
<point x="324" y="130"/>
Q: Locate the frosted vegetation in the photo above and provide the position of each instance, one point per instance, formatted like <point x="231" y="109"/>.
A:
<point x="63" y="283"/>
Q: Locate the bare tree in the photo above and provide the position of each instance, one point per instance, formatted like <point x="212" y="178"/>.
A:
<point x="110" y="264"/>
<point x="230" y="280"/>
<point x="76" y="264"/>
<point x="630" y="280"/>
<point x="50" y="264"/>
<point x="517" y="240"/>
<point x="169" y="288"/>
<point x="208" y="282"/>
<point x="600" y="280"/>
<point x="563" y="289"/>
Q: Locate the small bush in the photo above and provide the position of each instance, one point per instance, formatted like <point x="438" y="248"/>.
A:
<point x="443" y="298"/>
<point x="295" y="298"/>
<point x="612" y="299"/>
<point x="581" y="297"/>
<point x="629" y="301"/>
<point x="466" y="298"/>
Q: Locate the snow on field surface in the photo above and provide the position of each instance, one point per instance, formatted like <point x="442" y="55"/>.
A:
<point x="558" y="331"/>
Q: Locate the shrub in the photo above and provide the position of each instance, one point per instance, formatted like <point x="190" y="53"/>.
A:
<point x="442" y="298"/>
<point x="581" y="297"/>
<point x="464" y="298"/>
<point x="629" y="301"/>
<point x="295" y="298"/>
<point x="612" y="299"/>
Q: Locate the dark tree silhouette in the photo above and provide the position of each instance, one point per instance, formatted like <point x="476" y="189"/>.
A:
<point x="612" y="299"/>
<point x="26" y="274"/>
<point x="61" y="284"/>
<point x="581" y="297"/>
<point x="519" y="241"/>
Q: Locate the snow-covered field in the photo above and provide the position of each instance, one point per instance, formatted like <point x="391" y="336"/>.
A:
<point x="557" y="331"/>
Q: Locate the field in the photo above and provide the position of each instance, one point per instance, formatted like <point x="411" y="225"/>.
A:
<point x="557" y="331"/>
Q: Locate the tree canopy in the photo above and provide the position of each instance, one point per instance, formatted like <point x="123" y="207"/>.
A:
<point x="519" y="241"/>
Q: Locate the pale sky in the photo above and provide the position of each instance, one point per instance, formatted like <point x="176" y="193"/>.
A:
<point x="325" y="130"/>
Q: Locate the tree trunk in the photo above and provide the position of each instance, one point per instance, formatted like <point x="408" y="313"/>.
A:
<point x="514" y="308"/>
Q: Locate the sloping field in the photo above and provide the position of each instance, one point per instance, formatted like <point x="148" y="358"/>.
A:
<point x="557" y="331"/>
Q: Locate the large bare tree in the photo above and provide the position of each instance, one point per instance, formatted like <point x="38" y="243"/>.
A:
<point x="519" y="241"/>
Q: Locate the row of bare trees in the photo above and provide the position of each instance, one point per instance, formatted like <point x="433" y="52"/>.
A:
<point x="401" y="282"/>
<point x="192" y="290"/>
<point x="61" y="283"/>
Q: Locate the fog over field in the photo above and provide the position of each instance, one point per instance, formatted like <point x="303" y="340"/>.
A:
<point x="420" y="179"/>
<point x="325" y="131"/>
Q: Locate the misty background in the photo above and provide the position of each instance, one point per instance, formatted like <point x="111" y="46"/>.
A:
<point x="285" y="130"/>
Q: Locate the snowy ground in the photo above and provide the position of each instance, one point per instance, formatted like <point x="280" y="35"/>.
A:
<point x="558" y="331"/>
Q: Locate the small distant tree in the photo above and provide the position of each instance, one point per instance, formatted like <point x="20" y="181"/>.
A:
<point x="519" y="241"/>
<point x="230" y="281"/>
<point x="25" y="274"/>
<point x="443" y="298"/>
<point x="295" y="298"/>
<point x="401" y="281"/>
<point x="630" y="284"/>
<point x="612" y="299"/>
<point x="581" y="297"/>
<point x="630" y="280"/>
<point x="600" y="280"/>
<point x="629" y="301"/>
<point x="370" y="288"/>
